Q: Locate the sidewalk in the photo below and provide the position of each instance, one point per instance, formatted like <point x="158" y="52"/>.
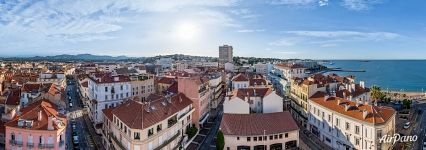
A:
<point x="96" y="138"/>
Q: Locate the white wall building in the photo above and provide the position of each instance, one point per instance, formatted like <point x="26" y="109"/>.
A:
<point x="263" y="68"/>
<point x="289" y="70"/>
<point x="106" y="91"/>
<point x="344" y="124"/>
<point x="253" y="100"/>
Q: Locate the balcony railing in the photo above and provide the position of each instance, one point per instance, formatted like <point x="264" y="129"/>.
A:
<point x="168" y="141"/>
<point x="30" y="145"/>
<point x="180" y="117"/>
<point x="40" y="145"/>
<point x="15" y="142"/>
<point x="117" y="142"/>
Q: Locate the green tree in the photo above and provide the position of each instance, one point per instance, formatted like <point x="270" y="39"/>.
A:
<point x="407" y="103"/>
<point x="220" y="144"/>
<point x="376" y="93"/>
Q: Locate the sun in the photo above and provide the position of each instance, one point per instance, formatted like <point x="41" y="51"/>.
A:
<point x="187" y="31"/>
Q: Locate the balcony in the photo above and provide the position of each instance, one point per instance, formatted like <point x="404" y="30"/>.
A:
<point x="61" y="143"/>
<point x="15" y="142"/>
<point x="172" y="121"/>
<point x="30" y="145"/>
<point x="117" y="142"/>
<point x="182" y="115"/>
<point x="174" y="137"/>
<point x="41" y="145"/>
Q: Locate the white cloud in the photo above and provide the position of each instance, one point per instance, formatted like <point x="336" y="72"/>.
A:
<point x="53" y="22"/>
<point x="323" y="2"/>
<point x="250" y="30"/>
<point x="332" y="38"/>
<point x="292" y="2"/>
<point x="359" y="5"/>
<point x="288" y="41"/>
<point x="354" y="35"/>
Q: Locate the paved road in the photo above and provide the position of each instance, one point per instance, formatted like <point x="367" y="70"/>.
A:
<point x="420" y="128"/>
<point x="209" y="141"/>
<point x="75" y="113"/>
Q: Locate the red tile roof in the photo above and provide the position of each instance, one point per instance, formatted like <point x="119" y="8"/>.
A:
<point x="31" y="112"/>
<point x="14" y="97"/>
<point x="240" y="77"/>
<point x="251" y="92"/>
<point x="137" y="115"/>
<point x="257" y="124"/>
<point x="31" y="87"/>
<point x="166" y="80"/>
<point x="376" y="114"/>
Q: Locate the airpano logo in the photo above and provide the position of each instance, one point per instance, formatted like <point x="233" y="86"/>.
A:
<point x="397" y="138"/>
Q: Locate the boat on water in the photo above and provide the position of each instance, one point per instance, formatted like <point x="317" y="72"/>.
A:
<point x="364" y="61"/>
<point x="331" y="63"/>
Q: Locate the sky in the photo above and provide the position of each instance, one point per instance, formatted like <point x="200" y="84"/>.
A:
<point x="311" y="29"/>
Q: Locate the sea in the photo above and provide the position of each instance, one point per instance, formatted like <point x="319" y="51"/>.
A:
<point x="395" y="75"/>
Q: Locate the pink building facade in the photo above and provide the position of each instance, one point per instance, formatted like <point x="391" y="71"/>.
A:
<point x="39" y="126"/>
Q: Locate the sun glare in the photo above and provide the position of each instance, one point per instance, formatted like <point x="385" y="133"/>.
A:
<point x="187" y="31"/>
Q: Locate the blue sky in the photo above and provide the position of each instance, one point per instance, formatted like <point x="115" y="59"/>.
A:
<point x="316" y="29"/>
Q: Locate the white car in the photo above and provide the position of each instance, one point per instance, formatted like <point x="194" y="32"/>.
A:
<point x="407" y="125"/>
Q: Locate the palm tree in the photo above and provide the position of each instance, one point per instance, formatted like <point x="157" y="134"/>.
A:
<point x="376" y="93"/>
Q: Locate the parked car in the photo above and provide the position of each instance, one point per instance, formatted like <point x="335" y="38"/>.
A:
<point x="407" y="125"/>
<point x="424" y="145"/>
<point x="70" y="105"/>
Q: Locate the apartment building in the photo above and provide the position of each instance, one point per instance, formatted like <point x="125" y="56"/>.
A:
<point x="106" y="90"/>
<point x="253" y="100"/>
<point x="196" y="88"/>
<point x="290" y="70"/>
<point x="268" y="131"/>
<point x="263" y="68"/>
<point x="158" y="123"/>
<point x="37" y="126"/>
<point x="142" y="85"/>
<point x="345" y="124"/>
<point x="301" y="89"/>
<point x="248" y="80"/>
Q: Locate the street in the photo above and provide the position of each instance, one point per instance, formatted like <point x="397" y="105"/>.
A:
<point x="75" y="114"/>
<point x="420" y="127"/>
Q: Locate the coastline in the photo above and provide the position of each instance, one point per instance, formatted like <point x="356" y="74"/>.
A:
<point x="408" y="94"/>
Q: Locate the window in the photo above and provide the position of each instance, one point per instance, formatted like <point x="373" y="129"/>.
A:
<point x="159" y="127"/>
<point x="106" y="97"/>
<point x="265" y="138"/>
<point x="286" y="135"/>
<point x="347" y="126"/>
<point x="328" y="140"/>
<point x="260" y="138"/>
<point x="137" y="136"/>
<point x="356" y="141"/>
<point x="121" y="87"/>
<point x="356" y="129"/>
<point x="275" y="136"/>
<point x="271" y="137"/>
<point x="254" y="138"/>
<point x="337" y="121"/>
<point x="248" y="139"/>
<point x="281" y="136"/>
<point x="150" y="132"/>
<point x="238" y="138"/>
<point x="106" y="89"/>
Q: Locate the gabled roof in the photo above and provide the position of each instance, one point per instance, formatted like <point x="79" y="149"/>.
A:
<point x="138" y="115"/>
<point x="240" y="77"/>
<point x="31" y="112"/>
<point x="376" y="114"/>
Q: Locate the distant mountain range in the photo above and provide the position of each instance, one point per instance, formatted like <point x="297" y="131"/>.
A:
<point x="67" y="57"/>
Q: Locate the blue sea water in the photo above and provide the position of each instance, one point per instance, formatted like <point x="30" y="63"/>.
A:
<point x="406" y="75"/>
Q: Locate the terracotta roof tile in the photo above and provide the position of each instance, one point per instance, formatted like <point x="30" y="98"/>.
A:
<point x="376" y="114"/>
<point x="256" y="124"/>
<point x="31" y="112"/>
<point x="136" y="116"/>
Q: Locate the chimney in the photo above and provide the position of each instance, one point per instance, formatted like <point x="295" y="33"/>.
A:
<point x="338" y="102"/>
<point x="50" y="123"/>
<point x="364" y="114"/>
<point x="39" y="116"/>
<point x="347" y="107"/>
<point x="116" y="79"/>
<point x="344" y="94"/>
<point x="362" y="84"/>
<point x="326" y="96"/>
